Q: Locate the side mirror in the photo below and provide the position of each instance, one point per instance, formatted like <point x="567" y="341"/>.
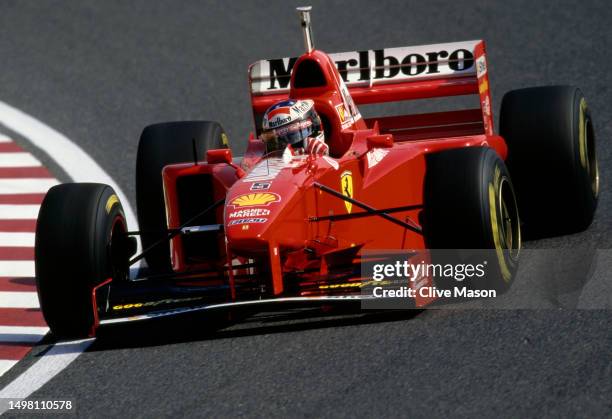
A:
<point x="224" y="155"/>
<point x="380" y="141"/>
<point x="221" y="155"/>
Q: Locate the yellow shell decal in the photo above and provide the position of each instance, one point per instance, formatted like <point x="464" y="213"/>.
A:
<point x="346" y="185"/>
<point x="255" y="199"/>
<point x="112" y="200"/>
<point x="224" y="139"/>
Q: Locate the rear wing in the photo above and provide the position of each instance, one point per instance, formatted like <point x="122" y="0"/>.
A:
<point x="389" y="75"/>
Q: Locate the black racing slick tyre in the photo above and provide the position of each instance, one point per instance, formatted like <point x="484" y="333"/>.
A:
<point x="552" y="158"/>
<point x="160" y="145"/>
<point x="470" y="204"/>
<point x="80" y="243"/>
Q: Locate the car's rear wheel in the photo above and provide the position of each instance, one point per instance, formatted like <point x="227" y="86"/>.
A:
<point x="161" y="145"/>
<point x="552" y="158"/>
<point x="80" y="243"/>
<point x="470" y="204"/>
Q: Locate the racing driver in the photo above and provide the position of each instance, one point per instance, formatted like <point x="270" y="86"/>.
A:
<point x="296" y="126"/>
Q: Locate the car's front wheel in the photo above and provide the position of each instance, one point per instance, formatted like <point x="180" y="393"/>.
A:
<point x="80" y="243"/>
<point x="160" y="145"/>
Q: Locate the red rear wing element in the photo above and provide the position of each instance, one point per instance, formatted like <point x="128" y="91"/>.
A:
<point x="389" y="75"/>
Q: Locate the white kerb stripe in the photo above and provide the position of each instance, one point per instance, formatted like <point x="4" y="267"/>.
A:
<point x="4" y="139"/>
<point x="17" y="268"/>
<point x="13" y="299"/>
<point x="6" y="364"/>
<point x="25" y="334"/>
<point x="16" y="240"/>
<point x="54" y="361"/>
<point x="19" y="212"/>
<point x="18" y="160"/>
<point x="20" y="186"/>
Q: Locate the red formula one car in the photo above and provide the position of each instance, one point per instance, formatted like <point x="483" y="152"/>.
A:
<point x="220" y="232"/>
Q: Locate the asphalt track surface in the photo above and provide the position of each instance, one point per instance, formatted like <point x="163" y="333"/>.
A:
<point x="100" y="71"/>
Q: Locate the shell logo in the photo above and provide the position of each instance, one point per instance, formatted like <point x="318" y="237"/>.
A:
<point x="255" y="199"/>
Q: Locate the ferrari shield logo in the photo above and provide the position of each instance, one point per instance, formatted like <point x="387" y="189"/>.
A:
<point x="346" y="185"/>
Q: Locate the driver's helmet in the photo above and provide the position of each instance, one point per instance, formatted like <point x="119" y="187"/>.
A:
<point x="290" y="122"/>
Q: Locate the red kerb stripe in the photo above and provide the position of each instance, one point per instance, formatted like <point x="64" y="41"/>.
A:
<point x="18" y="226"/>
<point x="24" y="172"/>
<point x="16" y="253"/>
<point x="22" y="317"/>
<point x="8" y="283"/>
<point x="10" y="147"/>
<point x="22" y="198"/>
<point x="15" y="351"/>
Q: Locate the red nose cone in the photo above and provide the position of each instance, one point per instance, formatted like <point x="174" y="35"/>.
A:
<point x="247" y="216"/>
<point x="264" y="207"/>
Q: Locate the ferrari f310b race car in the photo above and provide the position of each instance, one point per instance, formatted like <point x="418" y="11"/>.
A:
<point x="219" y="232"/>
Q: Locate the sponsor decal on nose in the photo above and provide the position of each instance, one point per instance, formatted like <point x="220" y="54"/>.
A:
<point x="261" y="186"/>
<point x="249" y="212"/>
<point x="248" y="221"/>
<point x="255" y="199"/>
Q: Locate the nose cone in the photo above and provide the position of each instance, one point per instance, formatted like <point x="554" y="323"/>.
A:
<point x="267" y="206"/>
<point x="250" y="211"/>
<point x="253" y="218"/>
